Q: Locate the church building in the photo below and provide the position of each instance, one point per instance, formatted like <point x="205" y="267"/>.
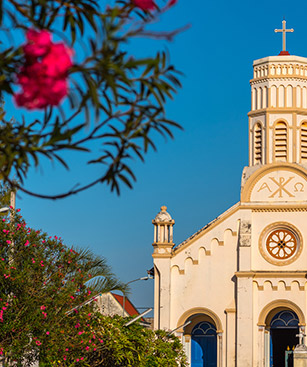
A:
<point x="236" y="290"/>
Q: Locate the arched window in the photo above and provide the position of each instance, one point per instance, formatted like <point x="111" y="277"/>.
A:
<point x="258" y="144"/>
<point x="281" y="140"/>
<point x="304" y="141"/>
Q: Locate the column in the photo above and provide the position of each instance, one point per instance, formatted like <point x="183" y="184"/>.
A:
<point x="261" y="346"/>
<point x="220" y="350"/>
<point x="187" y="347"/>
<point x="245" y="322"/>
<point x="230" y="337"/>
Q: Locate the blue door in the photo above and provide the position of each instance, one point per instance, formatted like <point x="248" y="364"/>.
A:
<point x="204" y="345"/>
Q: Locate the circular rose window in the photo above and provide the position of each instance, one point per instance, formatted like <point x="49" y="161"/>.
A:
<point x="280" y="243"/>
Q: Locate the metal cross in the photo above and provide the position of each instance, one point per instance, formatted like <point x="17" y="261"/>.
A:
<point x="284" y="31"/>
<point x="301" y="336"/>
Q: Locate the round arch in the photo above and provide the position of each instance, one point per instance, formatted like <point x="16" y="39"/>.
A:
<point x="272" y="308"/>
<point x="280" y="120"/>
<point x="200" y="311"/>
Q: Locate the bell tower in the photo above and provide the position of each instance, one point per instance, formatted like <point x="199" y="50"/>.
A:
<point x="278" y="116"/>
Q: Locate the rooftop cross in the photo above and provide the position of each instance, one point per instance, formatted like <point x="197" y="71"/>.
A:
<point x="284" y="31"/>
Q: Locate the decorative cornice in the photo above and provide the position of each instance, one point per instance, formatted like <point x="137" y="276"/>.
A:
<point x="271" y="274"/>
<point x="276" y="78"/>
<point x="275" y="110"/>
<point x="279" y="209"/>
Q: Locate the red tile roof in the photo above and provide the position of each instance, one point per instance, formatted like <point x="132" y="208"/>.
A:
<point x="129" y="308"/>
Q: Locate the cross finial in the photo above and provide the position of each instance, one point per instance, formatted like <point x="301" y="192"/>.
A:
<point x="284" y="31"/>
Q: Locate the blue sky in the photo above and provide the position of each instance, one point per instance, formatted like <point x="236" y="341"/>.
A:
<point x="197" y="175"/>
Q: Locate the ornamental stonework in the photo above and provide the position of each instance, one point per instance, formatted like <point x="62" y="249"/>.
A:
<point x="280" y="243"/>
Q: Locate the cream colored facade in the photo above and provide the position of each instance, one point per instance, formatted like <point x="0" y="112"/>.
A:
<point x="249" y="264"/>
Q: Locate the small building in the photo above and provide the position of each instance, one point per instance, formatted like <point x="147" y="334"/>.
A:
<point x="111" y="304"/>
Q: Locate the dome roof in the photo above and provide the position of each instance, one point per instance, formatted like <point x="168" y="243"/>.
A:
<point x="163" y="216"/>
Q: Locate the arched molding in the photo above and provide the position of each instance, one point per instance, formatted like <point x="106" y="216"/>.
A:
<point x="188" y="262"/>
<point x="270" y="310"/>
<point x="257" y="122"/>
<point x="228" y="234"/>
<point x="199" y="313"/>
<point x="175" y="268"/>
<point x="262" y="171"/>
<point x="296" y="285"/>
<point x="280" y="120"/>
<point x="203" y="249"/>
<point x="267" y="284"/>
<point x="216" y="241"/>
<point x="281" y="285"/>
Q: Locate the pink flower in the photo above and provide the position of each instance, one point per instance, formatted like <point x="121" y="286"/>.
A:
<point x="38" y="342"/>
<point x="145" y="4"/>
<point x="47" y="333"/>
<point x="27" y="243"/>
<point x="38" y="44"/>
<point x="43" y="308"/>
<point x="43" y="76"/>
<point x="58" y="61"/>
<point x="8" y="242"/>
